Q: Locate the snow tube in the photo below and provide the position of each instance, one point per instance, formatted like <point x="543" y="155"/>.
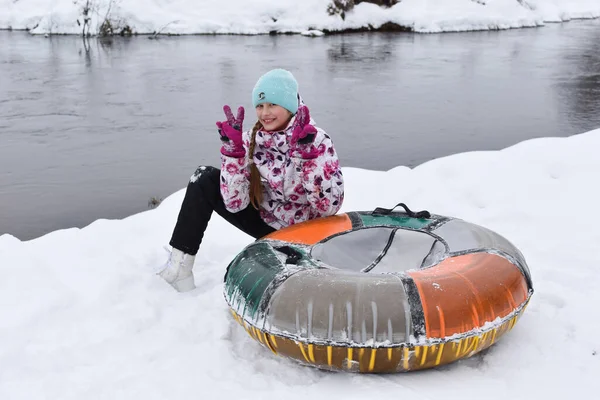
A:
<point x="379" y="291"/>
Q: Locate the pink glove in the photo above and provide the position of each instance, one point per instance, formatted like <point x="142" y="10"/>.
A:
<point x="231" y="133"/>
<point x="303" y="135"/>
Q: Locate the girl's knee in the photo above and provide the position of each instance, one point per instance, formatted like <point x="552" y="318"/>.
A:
<point x="203" y="172"/>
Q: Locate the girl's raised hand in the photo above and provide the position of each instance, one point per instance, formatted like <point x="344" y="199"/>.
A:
<point x="302" y="131"/>
<point x="236" y="123"/>
<point x="231" y="132"/>
<point x="232" y="128"/>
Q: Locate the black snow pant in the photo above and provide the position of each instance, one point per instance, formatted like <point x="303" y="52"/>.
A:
<point x="202" y="197"/>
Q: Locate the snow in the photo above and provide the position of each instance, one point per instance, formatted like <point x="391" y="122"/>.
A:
<point x="83" y="315"/>
<point x="286" y="16"/>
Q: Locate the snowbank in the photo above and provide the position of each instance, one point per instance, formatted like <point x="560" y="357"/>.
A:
<point x="292" y="16"/>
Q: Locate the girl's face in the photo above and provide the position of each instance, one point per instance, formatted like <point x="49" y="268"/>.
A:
<point x="273" y="117"/>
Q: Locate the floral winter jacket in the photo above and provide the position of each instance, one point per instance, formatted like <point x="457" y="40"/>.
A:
<point x="294" y="189"/>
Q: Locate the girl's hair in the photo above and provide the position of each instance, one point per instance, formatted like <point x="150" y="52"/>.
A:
<point x="255" y="181"/>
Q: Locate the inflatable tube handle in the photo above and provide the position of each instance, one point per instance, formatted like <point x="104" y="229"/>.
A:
<point x="419" y="214"/>
<point x="293" y="256"/>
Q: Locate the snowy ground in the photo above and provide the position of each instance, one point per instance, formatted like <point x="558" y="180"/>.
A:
<point x="82" y="315"/>
<point x="263" y="16"/>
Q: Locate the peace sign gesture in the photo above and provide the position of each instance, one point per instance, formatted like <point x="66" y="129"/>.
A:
<point x="231" y="132"/>
<point x="235" y="123"/>
<point x="302" y="131"/>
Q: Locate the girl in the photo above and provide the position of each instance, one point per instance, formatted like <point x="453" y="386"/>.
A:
<point x="281" y="172"/>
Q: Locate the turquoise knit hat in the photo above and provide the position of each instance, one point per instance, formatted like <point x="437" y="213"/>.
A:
<point x="277" y="86"/>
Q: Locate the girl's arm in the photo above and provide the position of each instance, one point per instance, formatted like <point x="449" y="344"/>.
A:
<point x="321" y="175"/>
<point x="235" y="175"/>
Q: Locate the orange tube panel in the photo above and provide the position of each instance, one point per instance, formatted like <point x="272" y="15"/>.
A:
<point x="464" y="292"/>
<point x="313" y="231"/>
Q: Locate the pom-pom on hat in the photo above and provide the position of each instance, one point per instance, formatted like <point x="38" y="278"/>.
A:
<point x="277" y="86"/>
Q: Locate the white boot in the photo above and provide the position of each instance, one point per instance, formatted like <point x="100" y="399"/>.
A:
<point x="178" y="271"/>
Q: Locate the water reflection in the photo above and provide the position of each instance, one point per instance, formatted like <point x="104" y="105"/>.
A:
<point x="579" y="83"/>
<point x="369" y="49"/>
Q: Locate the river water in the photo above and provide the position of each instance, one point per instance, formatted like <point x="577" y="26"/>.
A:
<point x="95" y="129"/>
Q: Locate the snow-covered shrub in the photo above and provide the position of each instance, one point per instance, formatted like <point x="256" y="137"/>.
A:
<point x="341" y="7"/>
